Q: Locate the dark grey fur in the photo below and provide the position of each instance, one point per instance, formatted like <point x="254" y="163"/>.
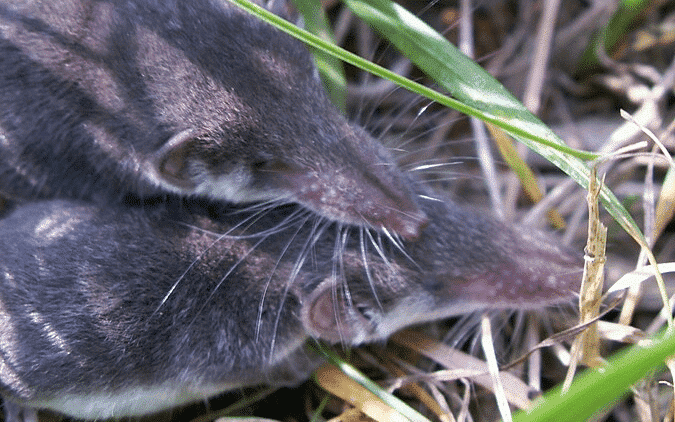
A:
<point x="86" y="308"/>
<point x="118" y="311"/>
<point x="101" y="98"/>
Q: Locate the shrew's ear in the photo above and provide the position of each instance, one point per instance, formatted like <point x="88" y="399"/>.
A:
<point x="170" y="165"/>
<point x="329" y="315"/>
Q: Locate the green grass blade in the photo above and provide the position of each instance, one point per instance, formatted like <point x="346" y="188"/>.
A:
<point x="330" y="67"/>
<point x="595" y="390"/>
<point x="388" y="398"/>
<point x="475" y="88"/>
<point x="505" y="118"/>
<point x="612" y="33"/>
<point x="476" y="92"/>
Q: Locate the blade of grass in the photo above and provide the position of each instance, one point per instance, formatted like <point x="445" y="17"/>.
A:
<point x="495" y="111"/>
<point x="594" y="390"/>
<point x="474" y="87"/>
<point x="477" y="89"/>
<point x="335" y="381"/>
<point x="391" y="400"/>
<point x="479" y="94"/>
<point x="611" y="34"/>
<point x="330" y="67"/>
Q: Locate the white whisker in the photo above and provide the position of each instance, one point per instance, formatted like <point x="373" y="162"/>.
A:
<point x="366" y="266"/>
<point x="315" y="234"/>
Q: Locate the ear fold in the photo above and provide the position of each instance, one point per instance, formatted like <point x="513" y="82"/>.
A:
<point x="170" y="163"/>
<point x="327" y="315"/>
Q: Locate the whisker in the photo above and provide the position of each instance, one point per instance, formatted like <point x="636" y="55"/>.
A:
<point x="430" y="198"/>
<point x="392" y="238"/>
<point x="274" y="230"/>
<point x="182" y="276"/>
<point x="247" y="222"/>
<point x="378" y="246"/>
<point x="239" y="261"/>
<point x="425" y="167"/>
<point x="227" y="274"/>
<point x="405" y="134"/>
<point x="338" y="262"/>
<point x="269" y="279"/>
<point x="395" y="240"/>
<point x="250" y="221"/>
<point x="364" y="258"/>
<point x="315" y="234"/>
